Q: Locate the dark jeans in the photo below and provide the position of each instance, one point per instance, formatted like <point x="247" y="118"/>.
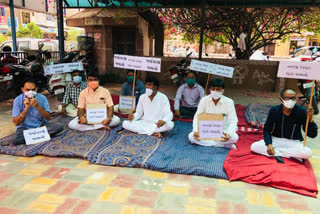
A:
<point x="53" y="129"/>
<point x="187" y="112"/>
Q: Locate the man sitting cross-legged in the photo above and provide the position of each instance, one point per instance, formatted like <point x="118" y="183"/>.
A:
<point x="282" y="130"/>
<point x="153" y="114"/>
<point x="31" y="110"/>
<point x="94" y="94"/>
<point x="216" y="103"/>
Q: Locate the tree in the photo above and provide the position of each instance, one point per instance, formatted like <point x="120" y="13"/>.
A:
<point x="73" y="34"/>
<point x="262" y="26"/>
<point x="3" y="38"/>
<point x="31" y="31"/>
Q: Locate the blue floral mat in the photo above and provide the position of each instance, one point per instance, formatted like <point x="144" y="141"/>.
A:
<point x="256" y="114"/>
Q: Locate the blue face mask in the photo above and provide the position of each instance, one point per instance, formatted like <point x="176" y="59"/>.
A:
<point x="191" y="81"/>
<point x="77" y="79"/>
<point x="130" y="79"/>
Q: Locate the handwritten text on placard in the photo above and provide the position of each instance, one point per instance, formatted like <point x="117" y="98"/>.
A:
<point x="38" y="135"/>
<point x="299" y="70"/>
<point x="211" y="68"/>
<point x="62" y="68"/>
<point x="211" y="129"/>
<point x="125" y="103"/>
<point x="137" y="63"/>
<point x="96" y="113"/>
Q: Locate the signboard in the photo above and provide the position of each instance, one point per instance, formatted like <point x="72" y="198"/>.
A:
<point x="96" y="113"/>
<point x="210" y="126"/>
<point x="211" y="68"/>
<point x="62" y="68"/>
<point x="137" y="63"/>
<point x="16" y="22"/>
<point x="38" y="135"/>
<point x="125" y="103"/>
<point x="299" y="70"/>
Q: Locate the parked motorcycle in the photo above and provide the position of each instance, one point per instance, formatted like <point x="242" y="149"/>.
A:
<point x="178" y="73"/>
<point x="32" y="67"/>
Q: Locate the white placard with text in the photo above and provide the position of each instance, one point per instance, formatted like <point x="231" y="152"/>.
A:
<point x="96" y="113"/>
<point x="210" y="129"/>
<point x="125" y="103"/>
<point x="37" y="135"/>
<point x="63" y="68"/>
<point x="211" y="68"/>
<point x="137" y="63"/>
<point x="299" y="70"/>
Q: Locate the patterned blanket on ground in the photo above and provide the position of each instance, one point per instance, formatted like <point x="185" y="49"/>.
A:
<point x="24" y="150"/>
<point x="173" y="153"/>
<point x="256" y="114"/>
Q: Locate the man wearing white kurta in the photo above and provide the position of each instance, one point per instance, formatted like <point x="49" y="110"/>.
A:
<point x="282" y="130"/>
<point x="216" y="103"/>
<point x="153" y="114"/>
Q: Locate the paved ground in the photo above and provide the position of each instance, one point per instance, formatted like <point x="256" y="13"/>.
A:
<point x="60" y="185"/>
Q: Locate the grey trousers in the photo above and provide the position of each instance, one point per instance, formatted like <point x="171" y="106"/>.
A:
<point x="53" y="129"/>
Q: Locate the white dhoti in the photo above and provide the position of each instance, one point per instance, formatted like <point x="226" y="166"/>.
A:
<point x="74" y="124"/>
<point x="146" y="127"/>
<point x="71" y="110"/>
<point x="283" y="147"/>
<point x="229" y="144"/>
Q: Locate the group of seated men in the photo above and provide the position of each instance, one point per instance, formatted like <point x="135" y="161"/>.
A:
<point x="153" y="116"/>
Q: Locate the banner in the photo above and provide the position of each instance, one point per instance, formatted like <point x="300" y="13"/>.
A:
<point x="299" y="70"/>
<point x="210" y="126"/>
<point x="96" y="113"/>
<point x="37" y="135"/>
<point x="125" y="103"/>
<point x="211" y="68"/>
<point x="62" y="68"/>
<point x="137" y="63"/>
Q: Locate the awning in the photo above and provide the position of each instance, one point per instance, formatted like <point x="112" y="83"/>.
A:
<point x="188" y="3"/>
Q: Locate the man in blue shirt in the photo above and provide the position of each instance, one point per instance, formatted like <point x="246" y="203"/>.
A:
<point x="31" y="110"/>
<point x="126" y="89"/>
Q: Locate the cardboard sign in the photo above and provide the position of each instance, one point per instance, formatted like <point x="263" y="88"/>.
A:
<point x="38" y="135"/>
<point x="125" y="103"/>
<point x="96" y="113"/>
<point x="137" y="63"/>
<point x="62" y="68"/>
<point x="299" y="70"/>
<point x="211" y="68"/>
<point x="210" y="126"/>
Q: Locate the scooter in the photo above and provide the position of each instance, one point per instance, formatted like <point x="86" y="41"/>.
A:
<point x="178" y="73"/>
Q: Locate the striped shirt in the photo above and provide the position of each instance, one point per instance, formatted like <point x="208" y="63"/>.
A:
<point x="72" y="93"/>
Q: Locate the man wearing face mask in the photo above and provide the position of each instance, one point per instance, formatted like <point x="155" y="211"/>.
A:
<point x="94" y="94"/>
<point x="126" y="89"/>
<point x="216" y="103"/>
<point x="31" y="110"/>
<point x="70" y="99"/>
<point x="190" y="94"/>
<point x="153" y="115"/>
<point x="282" y="130"/>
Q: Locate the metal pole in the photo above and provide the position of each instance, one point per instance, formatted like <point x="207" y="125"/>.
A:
<point x="203" y="12"/>
<point x="60" y="27"/>
<point x="13" y="26"/>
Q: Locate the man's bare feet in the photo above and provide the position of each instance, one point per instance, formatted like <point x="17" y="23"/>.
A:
<point x="105" y="128"/>
<point x="159" y="135"/>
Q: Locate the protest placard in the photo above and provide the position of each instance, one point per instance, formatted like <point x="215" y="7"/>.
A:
<point x="210" y="126"/>
<point x="137" y="63"/>
<point x="37" y="135"/>
<point x="211" y="68"/>
<point x="62" y="68"/>
<point x="125" y="103"/>
<point x="96" y="113"/>
<point x="299" y="70"/>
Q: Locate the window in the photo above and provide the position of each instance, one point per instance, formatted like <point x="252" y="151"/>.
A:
<point x="25" y="18"/>
<point x="124" y="41"/>
<point x="50" y="17"/>
<point x="23" y="45"/>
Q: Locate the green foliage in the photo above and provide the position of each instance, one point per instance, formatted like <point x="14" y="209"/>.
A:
<point x="2" y="38"/>
<point x="31" y="31"/>
<point x="73" y="34"/>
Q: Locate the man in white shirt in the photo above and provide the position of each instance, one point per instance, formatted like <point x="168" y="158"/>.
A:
<point x="216" y="103"/>
<point x="153" y="114"/>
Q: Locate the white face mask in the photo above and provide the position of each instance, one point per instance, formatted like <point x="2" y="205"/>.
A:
<point x="216" y="95"/>
<point x="289" y="103"/>
<point x="149" y="91"/>
<point x="30" y="94"/>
